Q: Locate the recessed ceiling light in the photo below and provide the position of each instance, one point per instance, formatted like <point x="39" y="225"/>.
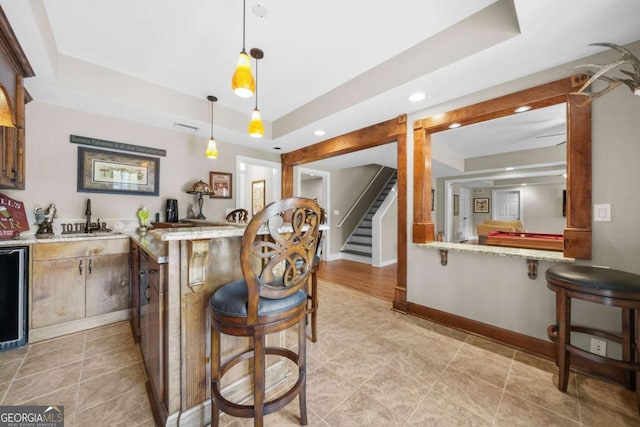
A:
<point x="417" y="96"/>
<point x="318" y="132"/>
<point x="510" y="168"/>
<point x="522" y="109"/>
<point x="454" y="125"/>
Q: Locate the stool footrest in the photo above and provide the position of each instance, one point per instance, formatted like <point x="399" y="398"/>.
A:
<point x="247" y="411"/>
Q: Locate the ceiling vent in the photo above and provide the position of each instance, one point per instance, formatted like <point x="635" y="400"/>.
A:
<point x="185" y="126"/>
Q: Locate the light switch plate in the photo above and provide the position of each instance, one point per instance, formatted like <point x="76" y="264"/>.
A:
<point x="602" y="212"/>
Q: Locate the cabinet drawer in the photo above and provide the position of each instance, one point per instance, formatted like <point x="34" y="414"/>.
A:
<point x="57" y="250"/>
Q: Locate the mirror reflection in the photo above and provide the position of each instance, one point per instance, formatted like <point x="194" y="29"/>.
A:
<point x="506" y="174"/>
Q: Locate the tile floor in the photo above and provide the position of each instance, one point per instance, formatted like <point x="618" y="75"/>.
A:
<point x="97" y="375"/>
<point x="370" y="367"/>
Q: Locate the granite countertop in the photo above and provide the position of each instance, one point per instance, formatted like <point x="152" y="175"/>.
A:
<point x="197" y="233"/>
<point x="29" y="239"/>
<point x="225" y="229"/>
<point x="536" y="254"/>
<point x="152" y="245"/>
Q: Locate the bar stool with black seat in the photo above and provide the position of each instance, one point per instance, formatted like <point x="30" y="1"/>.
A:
<point x="601" y="286"/>
<point x="276" y="261"/>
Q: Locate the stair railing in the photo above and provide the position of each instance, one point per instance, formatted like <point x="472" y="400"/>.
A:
<point x="362" y="193"/>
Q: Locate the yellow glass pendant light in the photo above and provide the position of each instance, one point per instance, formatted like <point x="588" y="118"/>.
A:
<point x="242" y="81"/>
<point x="256" y="128"/>
<point x="212" y="149"/>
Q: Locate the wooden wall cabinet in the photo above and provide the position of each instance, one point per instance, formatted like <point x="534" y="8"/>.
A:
<point x="14" y="67"/>
<point x="77" y="280"/>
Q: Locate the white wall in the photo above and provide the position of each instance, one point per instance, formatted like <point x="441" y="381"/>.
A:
<point x="312" y="188"/>
<point x="51" y="165"/>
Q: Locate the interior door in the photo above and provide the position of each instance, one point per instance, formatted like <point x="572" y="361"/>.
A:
<point x="465" y="213"/>
<point x="506" y="205"/>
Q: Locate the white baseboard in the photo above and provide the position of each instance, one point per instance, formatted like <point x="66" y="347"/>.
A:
<point x="386" y="263"/>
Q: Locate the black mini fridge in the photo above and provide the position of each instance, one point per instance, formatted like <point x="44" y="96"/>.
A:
<point x="13" y="297"/>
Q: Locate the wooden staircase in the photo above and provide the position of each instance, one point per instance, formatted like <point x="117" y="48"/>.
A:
<point x="359" y="244"/>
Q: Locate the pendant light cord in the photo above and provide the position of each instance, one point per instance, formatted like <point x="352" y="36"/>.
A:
<point x="211" y="119"/>
<point x="244" y="9"/>
<point x="256" y="83"/>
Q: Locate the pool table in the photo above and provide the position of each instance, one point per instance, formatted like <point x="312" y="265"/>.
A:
<point x="523" y="239"/>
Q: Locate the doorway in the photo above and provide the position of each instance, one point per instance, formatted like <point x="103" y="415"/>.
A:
<point x="465" y="214"/>
<point x="251" y="170"/>
<point x="316" y="184"/>
<point x="394" y="130"/>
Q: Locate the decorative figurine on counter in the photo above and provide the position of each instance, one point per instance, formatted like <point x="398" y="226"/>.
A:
<point x="45" y="226"/>
<point x="143" y="216"/>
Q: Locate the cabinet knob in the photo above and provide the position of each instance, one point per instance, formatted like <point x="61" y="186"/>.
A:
<point x="153" y="272"/>
<point x="80" y="267"/>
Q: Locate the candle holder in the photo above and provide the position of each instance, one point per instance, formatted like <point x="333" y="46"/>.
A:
<point x="200" y="188"/>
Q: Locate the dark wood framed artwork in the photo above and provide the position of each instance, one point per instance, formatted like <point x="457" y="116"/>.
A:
<point x="481" y="205"/>
<point x="433" y="200"/>
<point x="221" y="185"/>
<point x="102" y="171"/>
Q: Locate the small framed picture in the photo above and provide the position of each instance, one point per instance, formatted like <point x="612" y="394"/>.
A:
<point x="257" y="196"/>
<point x="220" y="184"/>
<point x="481" y="205"/>
<point x="433" y="200"/>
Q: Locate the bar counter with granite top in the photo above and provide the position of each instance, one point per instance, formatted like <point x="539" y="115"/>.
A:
<point x="198" y="261"/>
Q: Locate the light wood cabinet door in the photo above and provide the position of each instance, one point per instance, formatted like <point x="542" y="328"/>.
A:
<point x="107" y="284"/>
<point x="58" y="288"/>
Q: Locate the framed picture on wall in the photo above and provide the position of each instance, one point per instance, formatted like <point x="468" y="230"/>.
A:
<point x="220" y="184"/>
<point x="102" y="171"/>
<point x="433" y="200"/>
<point x="257" y="196"/>
<point x="481" y="205"/>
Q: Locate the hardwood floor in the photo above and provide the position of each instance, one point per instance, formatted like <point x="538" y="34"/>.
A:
<point x="375" y="281"/>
